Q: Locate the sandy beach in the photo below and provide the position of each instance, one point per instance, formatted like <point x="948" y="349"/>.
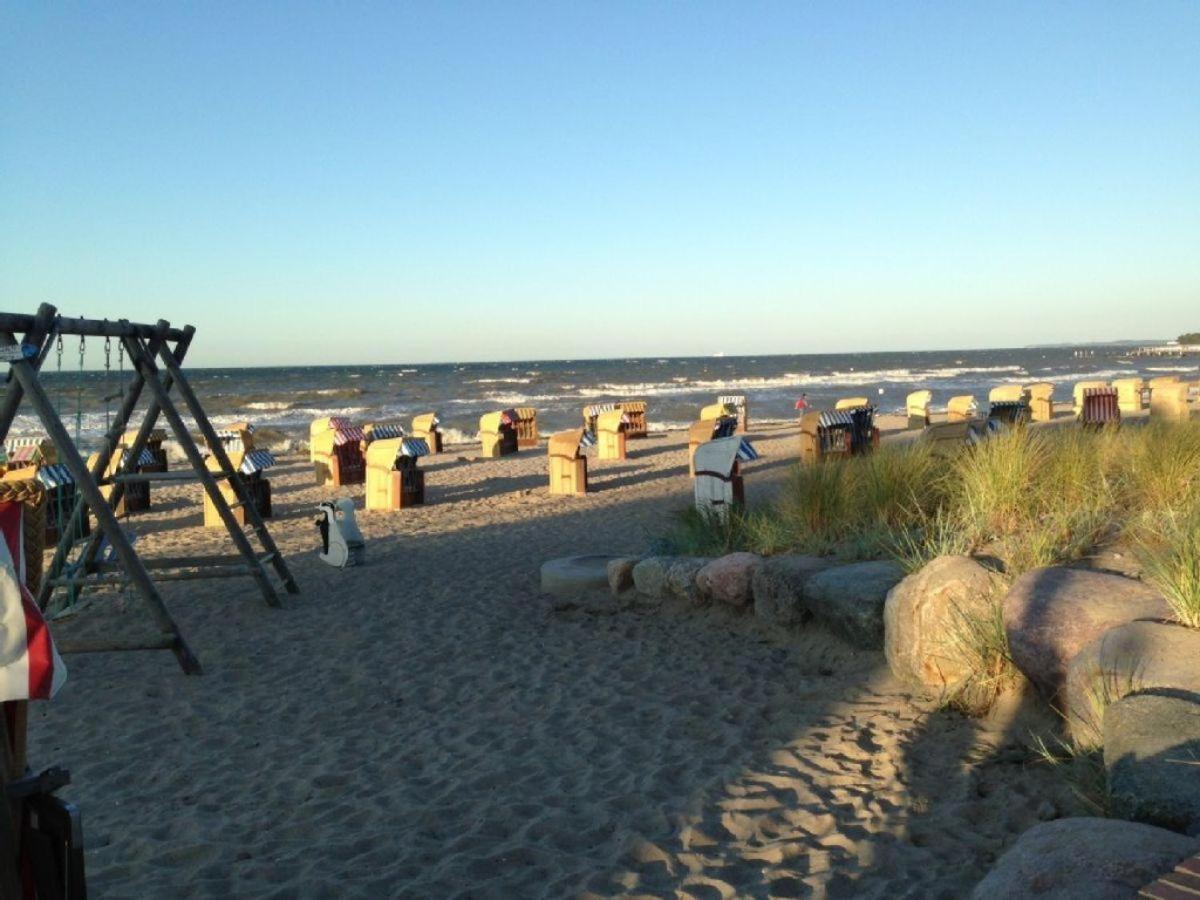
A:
<point x="428" y="725"/>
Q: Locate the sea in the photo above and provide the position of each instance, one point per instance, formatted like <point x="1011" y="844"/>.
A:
<point x="282" y="401"/>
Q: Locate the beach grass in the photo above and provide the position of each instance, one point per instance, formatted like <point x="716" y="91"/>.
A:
<point x="1028" y="497"/>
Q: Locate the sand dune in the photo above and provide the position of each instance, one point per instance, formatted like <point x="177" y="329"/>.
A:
<point x="429" y="726"/>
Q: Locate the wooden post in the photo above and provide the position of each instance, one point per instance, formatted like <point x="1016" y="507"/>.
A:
<point x="139" y="356"/>
<point x="39" y="333"/>
<point x="69" y="455"/>
<point x="249" y="507"/>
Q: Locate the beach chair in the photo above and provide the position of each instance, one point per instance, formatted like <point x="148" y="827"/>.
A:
<point x="741" y="409"/>
<point x="250" y="466"/>
<point x="1077" y="394"/>
<point x="706" y="430"/>
<point x="962" y="408"/>
<point x="1100" y="408"/>
<point x="154" y="444"/>
<point x="635" y="411"/>
<point x="29" y="454"/>
<point x="851" y="403"/>
<point x="1008" y="413"/>
<point x="61" y="494"/>
<point x="425" y="428"/>
<point x="610" y="434"/>
<point x="1008" y="393"/>
<point x="318" y="427"/>
<point x="917" y="405"/>
<point x="718" y="484"/>
<point x="136" y="496"/>
<point x="393" y="479"/>
<point x="1131" y="394"/>
<point x="836" y="434"/>
<point x="238" y="437"/>
<point x="1169" y="402"/>
<point x="947" y="438"/>
<point x="1162" y="381"/>
<point x="568" y="465"/>
<point x="592" y="411"/>
<point x="527" y="429"/>
<point x="1041" y="401"/>
<point x="498" y="433"/>
<point x="338" y="456"/>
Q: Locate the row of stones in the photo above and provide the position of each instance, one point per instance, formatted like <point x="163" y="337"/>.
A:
<point x="1099" y="647"/>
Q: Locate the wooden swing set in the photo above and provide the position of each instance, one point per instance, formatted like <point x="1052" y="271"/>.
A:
<point x="156" y="353"/>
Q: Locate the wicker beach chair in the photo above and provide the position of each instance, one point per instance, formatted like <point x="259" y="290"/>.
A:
<point x="1131" y="394"/>
<point x="592" y="412"/>
<point x="394" y="481"/>
<point x="836" y="434"/>
<point x="337" y="454"/>
<point x="154" y="444"/>
<point x="136" y="496"/>
<point x="498" y="433"/>
<point x="610" y="434"/>
<point x="962" y="408"/>
<point x="527" y="428"/>
<point x="250" y="466"/>
<point x="851" y="403"/>
<point x="1100" y="408"/>
<point x="1169" y="402"/>
<point x="1041" y="401"/>
<point x="718" y="484"/>
<point x="635" y="411"/>
<point x="425" y="428"/>
<point x="567" y="464"/>
<point x="917" y="404"/>
<point x="1077" y="394"/>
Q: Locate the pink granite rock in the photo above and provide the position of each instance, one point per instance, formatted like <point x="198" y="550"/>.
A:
<point x="730" y="579"/>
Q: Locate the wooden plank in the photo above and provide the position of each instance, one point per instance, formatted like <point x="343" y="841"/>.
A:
<point x="89" y="327"/>
<point x="103" y="645"/>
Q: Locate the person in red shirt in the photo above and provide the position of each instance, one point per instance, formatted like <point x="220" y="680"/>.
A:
<point x="802" y="403"/>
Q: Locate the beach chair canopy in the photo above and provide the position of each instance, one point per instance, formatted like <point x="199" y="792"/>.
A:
<point x="717" y="411"/>
<point x="425" y="422"/>
<point x="852" y="403"/>
<point x="1007" y="393"/>
<point x="612" y="421"/>
<point x="1042" y="390"/>
<point x="382" y="431"/>
<point x="567" y="444"/>
<point x="256" y="461"/>
<point x="963" y="405"/>
<point x="525" y="413"/>
<point x="347" y="435"/>
<point x="30" y="451"/>
<point x="737" y="401"/>
<point x="633" y="406"/>
<point x="54" y="476"/>
<point x="720" y="457"/>
<point x="918" y="402"/>
<point x="491" y="423"/>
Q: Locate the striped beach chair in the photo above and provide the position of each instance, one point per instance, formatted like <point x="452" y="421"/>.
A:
<point x="251" y="466"/>
<point x="394" y="481"/>
<point x="338" y="455"/>
<point x="425" y="428"/>
<point x="1101" y="408"/>
<point x="635" y="411"/>
<point x="741" y="409"/>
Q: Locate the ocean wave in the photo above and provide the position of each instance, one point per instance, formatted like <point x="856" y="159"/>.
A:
<point x="1173" y="368"/>
<point x="499" y="381"/>
<point x="270" y="404"/>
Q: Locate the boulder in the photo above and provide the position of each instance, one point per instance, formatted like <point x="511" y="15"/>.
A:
<point x="1084" y="859"/>
<point x="778" y="585"/>
<point x="925" y="614"/>
<point x="730" y="579"/>
<point x="650" y="576"/>
<point x="1051" y="614"/>
<point x="620" y="573"/>
<point x="1152" y="756"/>
<point x="573" y="575"/>
<point x="1128" y="659"/>
<point x="849" y="599"/>
<point x="681" y="578"/>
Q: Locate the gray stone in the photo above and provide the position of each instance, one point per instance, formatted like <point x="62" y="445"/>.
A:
<point x="1128" y="659"/>
<point x="681" y="578"/>
<point x="573" y="575"/>
<point x="1152" y="755"/>
<point x="1084" y="859"/>
<point x="778" y="586"/>
<point x="925" y="614"/>
<point x="620" y="573"/>
<point x="730" y="579"/>
<point x="850" y="599"/>
<point x="1051" y="614"/>
<point x="650" y="576"/>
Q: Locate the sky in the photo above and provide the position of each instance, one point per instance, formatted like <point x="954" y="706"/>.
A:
<point x="342" y="182"/>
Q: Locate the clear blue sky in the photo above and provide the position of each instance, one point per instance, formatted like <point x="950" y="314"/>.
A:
<point x="441" y="181"/>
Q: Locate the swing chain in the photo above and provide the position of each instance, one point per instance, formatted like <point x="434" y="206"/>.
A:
<point x="81" y="340"/>
<point x="58" y="350"/>
<point x="108" y="354"/>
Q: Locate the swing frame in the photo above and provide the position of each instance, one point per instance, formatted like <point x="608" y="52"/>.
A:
<point x="146" y="346"/>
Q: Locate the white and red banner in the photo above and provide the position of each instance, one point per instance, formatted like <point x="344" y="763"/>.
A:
<point x="30" y="667"/>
